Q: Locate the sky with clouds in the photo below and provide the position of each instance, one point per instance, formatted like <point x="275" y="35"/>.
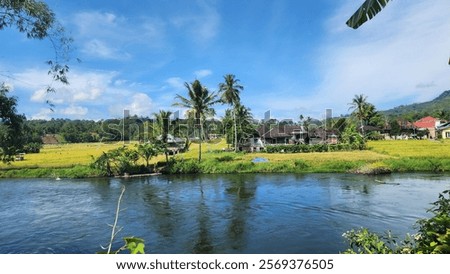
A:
<point x="292" y="57"/>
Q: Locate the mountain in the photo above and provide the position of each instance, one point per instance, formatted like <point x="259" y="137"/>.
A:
<point x="440" y="103"/>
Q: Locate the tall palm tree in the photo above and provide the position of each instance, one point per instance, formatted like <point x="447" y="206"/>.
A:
<point x="200" y="101"/>
<point x="162" y="126"/>
<point x="359" y="105"/>
<point x="230" y="90"/>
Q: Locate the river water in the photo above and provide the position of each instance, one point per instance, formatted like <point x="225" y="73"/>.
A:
<point x="245" y="213"/>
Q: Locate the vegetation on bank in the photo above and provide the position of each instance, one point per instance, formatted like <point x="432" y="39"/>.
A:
<point x="74" y="160"/>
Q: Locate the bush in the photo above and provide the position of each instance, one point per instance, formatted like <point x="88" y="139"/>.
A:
<point x="182" y="167"/>
<point x="304" y="148"/>
<point x="32" y="148"/>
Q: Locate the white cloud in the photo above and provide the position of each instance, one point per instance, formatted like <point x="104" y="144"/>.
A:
<point x="75" y="111"/>
<point x="102" y="50"/>
<point x="43" y="114"/>
<point x="84" y="87"/>
<point x="175" y="83"/>
<point x="203" y="24"/>
<point x="202" y="73"/>
<point x="139" y="104"/>
<point x="389" y="58"/>
<point x="115" y="34"/>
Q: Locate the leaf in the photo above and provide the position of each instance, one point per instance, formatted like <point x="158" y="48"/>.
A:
<point x="135" y="245"/>
<point x="367" y="11"/>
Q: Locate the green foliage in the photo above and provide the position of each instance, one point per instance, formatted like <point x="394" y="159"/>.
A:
<point x="11" y="126"/>
<point x="225" y="158"/>
<point x="199" y="101"/>
<point x="148" y="151"/>
<point x="32" y="147"/>
<point x="433" y="235"/>
<point x="37" y="21"/>
<point x="181" y="166"/>
<point x="134" y="245"/>
<point x="352" y="137"/>
<point x="304" y="148"/>
<point x="364" y="241"/>
<point x="365" y="12"/>
<point x="117" y="162"/>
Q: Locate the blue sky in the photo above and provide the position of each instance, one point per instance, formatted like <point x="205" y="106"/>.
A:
<point x="292" y="57"/>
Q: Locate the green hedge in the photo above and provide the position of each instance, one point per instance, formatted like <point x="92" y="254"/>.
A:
<point x="303" y="148"/>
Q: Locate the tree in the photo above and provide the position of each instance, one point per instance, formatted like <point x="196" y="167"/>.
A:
<point x="147" y="151"/>
<point x="37" y="21"/>
<point x="162" y="126"/>
<point x="359" y="105"/>
<point x="11" y="126"/>
<point x="200" y="102"/>
<point x="230" y="90"/>
<point x="244" y="121"/>
<point x="365" y="12"/>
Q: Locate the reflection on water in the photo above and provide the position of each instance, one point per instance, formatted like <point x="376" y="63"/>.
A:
<point x="245" y="213"/>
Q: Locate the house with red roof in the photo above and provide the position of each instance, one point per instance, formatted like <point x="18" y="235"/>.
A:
<point x="428" y="123"/>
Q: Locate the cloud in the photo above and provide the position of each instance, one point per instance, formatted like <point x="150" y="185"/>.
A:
<point x="116" y="35"/>
<point x="175" y="83"/>
<point x="202" y="24"/>
<point x="388" y="58"/>
<point x="43" y="114"/>
<point x="100" y="49"/>
<point x="84" y="87"/>
<point x="202" y="73"/>
<point x="139" y="104"/>
<point x="75" y="111"/>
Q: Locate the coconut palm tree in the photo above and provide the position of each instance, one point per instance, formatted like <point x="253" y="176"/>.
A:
<point x="162" y="125"/>
<point x="359" y="105"/>
<point x="230" y="90"/>
<point x="365" y="12"/>
<point x="200" y="101"/>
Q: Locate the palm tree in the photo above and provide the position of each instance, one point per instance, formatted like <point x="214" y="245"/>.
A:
<point x="161" y="125"/>
<point x="200" y="101"/>
<point x="230" y="90"/>
<point x="365" y="12"/>
<point x="359" y="105"/>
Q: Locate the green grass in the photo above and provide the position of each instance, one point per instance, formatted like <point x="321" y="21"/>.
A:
<point x="72" y="160"/>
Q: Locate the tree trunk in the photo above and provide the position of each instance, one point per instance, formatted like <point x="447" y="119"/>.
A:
<point x="235" y="130"/>
<point x="200" y="128"/>
<point x="200" y="143"/>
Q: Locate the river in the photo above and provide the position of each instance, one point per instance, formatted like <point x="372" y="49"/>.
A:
<point x="245" y="213"/>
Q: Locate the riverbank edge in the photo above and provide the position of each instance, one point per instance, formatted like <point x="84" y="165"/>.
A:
<point x="213" y="166"/>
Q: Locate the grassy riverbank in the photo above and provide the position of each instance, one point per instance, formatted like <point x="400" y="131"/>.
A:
<point x="72" y="160"/>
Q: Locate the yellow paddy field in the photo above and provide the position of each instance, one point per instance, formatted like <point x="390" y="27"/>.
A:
<point x="392" y="152"/>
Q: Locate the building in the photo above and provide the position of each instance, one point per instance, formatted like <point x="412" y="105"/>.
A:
<point x="281" y="134"/>
<point x="444" y="129"/>
<point x="428" y="123"/>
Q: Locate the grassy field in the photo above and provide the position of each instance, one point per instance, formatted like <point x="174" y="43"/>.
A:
<point x="72" y="160"/>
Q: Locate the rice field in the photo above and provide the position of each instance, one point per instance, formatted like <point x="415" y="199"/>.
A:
<point x="412" y="148"/>
<point x="391" y="152"/>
